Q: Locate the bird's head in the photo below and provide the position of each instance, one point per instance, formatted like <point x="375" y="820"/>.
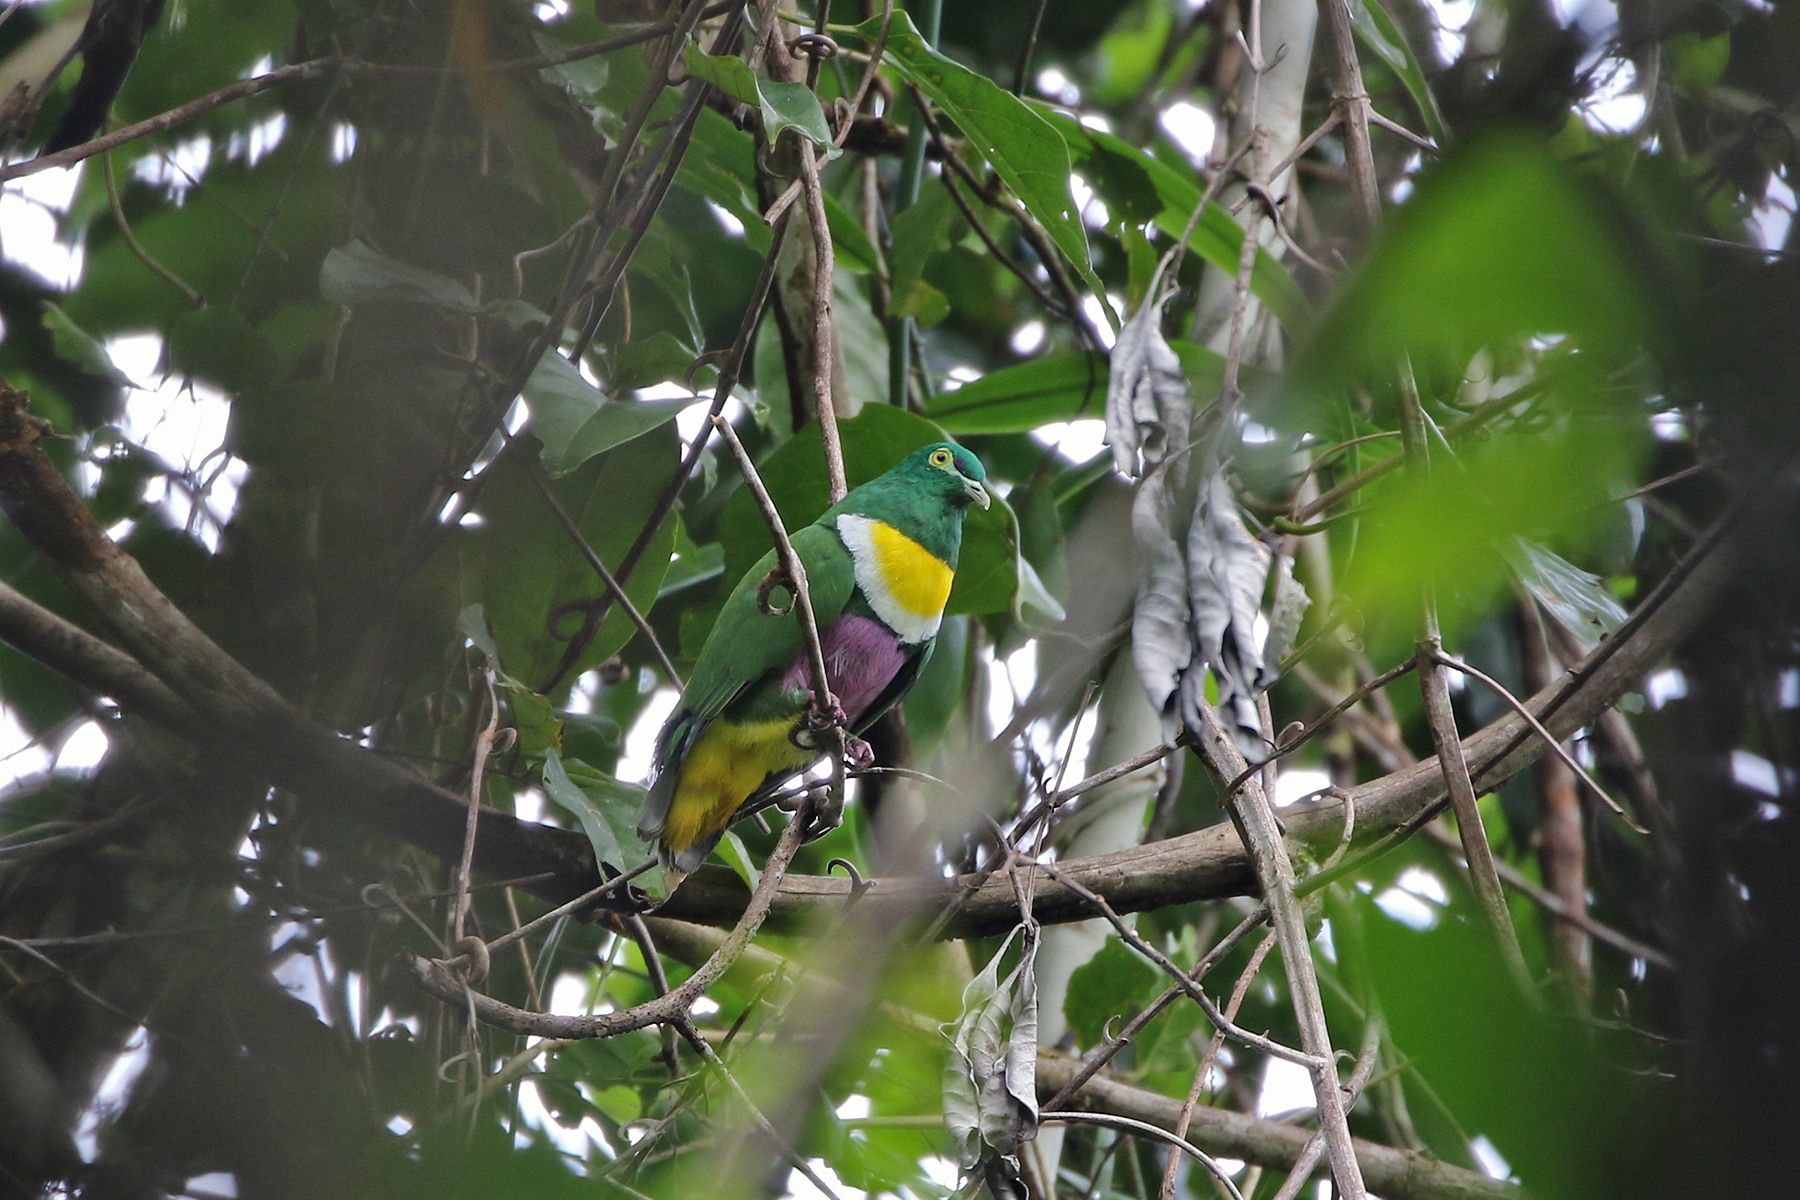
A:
<point x="951" y="470"/>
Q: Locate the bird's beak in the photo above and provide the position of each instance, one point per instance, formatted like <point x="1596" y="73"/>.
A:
<point x="977" y="493"/>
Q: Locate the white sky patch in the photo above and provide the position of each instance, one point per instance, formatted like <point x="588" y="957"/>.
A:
<point x="1190" y="127"/>
<point x="802" y="1188"/>
<point x="1424" y="885"/>
<point x="1096" y="315"/>
<point x="1406" y="908"/>
<point x="213" y="1183"/>
<point x="1010" y="680"/>
<point x="1297" y="783"/>
<point x="259" y="141"/>
<point x="28" y="226"/>
<point x="551" y="10"/>
<point x="1028" y="338"/>
<point x="343" y="141"/>
<point x="1664" y="686"/>
<point x="1757" y="773"/>
<point x="1080" y="441"/>
<point x="1286" y="1087"/>
<point x="731" y="224"/>
<point x="179" y="169"/>
<point x="640" y="740"/>
<point x="1054" y="84"/>
<point x="690" y="421"/>
<point x="1487" y="1156"/>
<point x="1775" y="216"/>
<point x="1453" y="18"/>
<point x="184" y="424"/>
<point x="940" y="1170"/>
<point x="1094" y="212"/>
<point x="113" y="1092"/>
<point x="83" y="749"/>
<point x="20" y="754"/>
<point x="1617" y="103"/>
<point x="1787" y="689"/>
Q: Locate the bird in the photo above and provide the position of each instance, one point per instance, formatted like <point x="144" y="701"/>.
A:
<point x="879" y="565"/>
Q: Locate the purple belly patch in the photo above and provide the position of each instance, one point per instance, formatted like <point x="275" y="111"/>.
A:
<point x="862" y="656"/>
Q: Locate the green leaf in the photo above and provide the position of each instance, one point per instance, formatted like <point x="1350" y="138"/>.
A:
<point x="1059" y="387"/>
<point x="1379" y="33"/>
<point x="220" y="346"/>
<point x="783" y="105"/>
<point x="76" y="345"/>
<point x="1019" y="399"/>
<point x="721" y="167"/>
<point x="359" y="273"/>
<point x="1020" y="145"/>
<point x="472" y="624"/>
<point x="540" y="731"/>
<point x="574" y="419"/>
<point x="1145" y="188"/>
<point x="849" y="240"/>
<point x="734" y="854"/>
<point x="1114" y="981"/>
<point x="1500" y="241"/>
<point x="532" y="578"/>
<point x="918" y="233"/>
<point x="607" y="809"/>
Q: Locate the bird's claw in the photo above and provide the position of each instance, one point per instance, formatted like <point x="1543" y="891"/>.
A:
<point x="820" y="719"/>
<point x="857" y="753"/>
<point x="824" y="813"/>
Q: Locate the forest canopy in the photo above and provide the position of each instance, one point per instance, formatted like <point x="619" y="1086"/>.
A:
<point x="1352" y="760"/>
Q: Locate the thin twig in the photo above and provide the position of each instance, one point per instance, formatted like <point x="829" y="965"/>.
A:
<point x="1157" y="1133"/>
<point x="484" y="746"/>
<point x="686" y="1028"/>
<point x="1219" y="1020"/>
<point x="1556" y="747"/>
<point x="437" y="979"/>
<point x="824" y="335"/>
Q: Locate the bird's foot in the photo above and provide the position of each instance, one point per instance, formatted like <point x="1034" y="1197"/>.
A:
<point x="820" y="719"/>
<point x="822" y="812"/>
<point x="858" y="754"/>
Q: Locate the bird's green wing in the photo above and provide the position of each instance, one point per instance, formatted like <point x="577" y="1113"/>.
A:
<point x="747" y="645"/>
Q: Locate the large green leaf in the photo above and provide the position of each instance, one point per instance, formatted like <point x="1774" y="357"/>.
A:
<point x="1020" y="145"/>
<point x="1060" y="387"/>
<point x="574" y="419"/>
<point x="1145" y="188"/>
<point x="783" y="105"/>
<point x="1500" y="242"/>
<point x="525" y="567"/>
<point x="359" y="273"/>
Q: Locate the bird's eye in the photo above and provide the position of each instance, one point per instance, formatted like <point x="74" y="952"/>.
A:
<point x="940" y="458"/>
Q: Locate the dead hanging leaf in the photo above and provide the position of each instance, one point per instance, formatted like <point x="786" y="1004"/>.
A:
<point x="1148" y="410"/>
<point x="1204" y="573"/>
<point x="1286" y="610"/>
<point x="1227" y="569"/>
<point x="1162" y="632"/>
<point x="990" y="1076"/>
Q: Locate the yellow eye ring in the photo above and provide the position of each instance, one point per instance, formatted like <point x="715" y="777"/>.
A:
<point x="940" y="458"/>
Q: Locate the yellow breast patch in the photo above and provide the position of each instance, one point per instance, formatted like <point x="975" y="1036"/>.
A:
<point x="917" y="579"/>
<point x="904" y="583"/>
